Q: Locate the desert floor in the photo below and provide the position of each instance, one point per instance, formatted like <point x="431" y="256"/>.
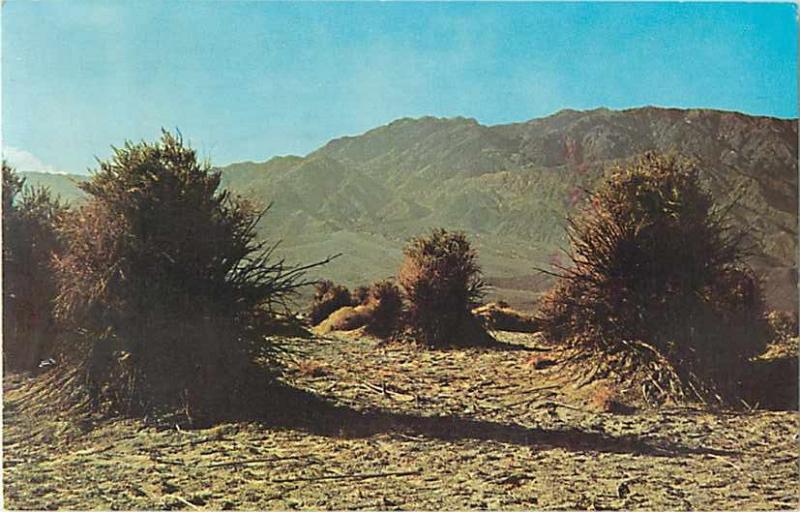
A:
<point x="399" y="427"/>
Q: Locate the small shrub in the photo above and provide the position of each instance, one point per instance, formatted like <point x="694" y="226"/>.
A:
<point x="347" y="318"/>
<point x="360" y="295"/>
<point x="501" y="317"/>
<point x="380" y="312"/>
<point x="328" y="297"/>
<point x="603" y="399"/>
<point x="653" y="259"/>
<point x="386" y="302"/>
<point x="30" y="240"/>
<point x="441" y="283"/>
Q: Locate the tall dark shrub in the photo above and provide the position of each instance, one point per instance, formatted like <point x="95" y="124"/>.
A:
<point x="441" y="282"/>
<point x="170" y="297"/>
<point x="654" y="260"/>
<point x="30" y="241"/>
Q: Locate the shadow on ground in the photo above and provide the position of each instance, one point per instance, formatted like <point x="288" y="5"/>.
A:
<point x="305" y="411"/>
<point x="773" y="384"/>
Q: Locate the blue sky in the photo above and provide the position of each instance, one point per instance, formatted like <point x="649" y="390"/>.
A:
<point x="250" y="80"/>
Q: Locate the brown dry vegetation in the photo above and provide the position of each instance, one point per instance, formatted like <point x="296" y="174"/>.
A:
<point x="654" y="260"/>
<point x="386" y="301"/>
<point x="379" y="312"/>
<point x="166" y="298"/>
<point x="439" y="285"/>
<point x="396" y="426"/>
<point x="347" y="318"/>
<point x="360" y="295"/>
<point x="328" y="297"/>
<point x="441" y="282"/>
<point x="500" y="317"/>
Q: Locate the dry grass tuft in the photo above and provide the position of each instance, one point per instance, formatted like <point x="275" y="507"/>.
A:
<point x="499" y="316"/>
<point x="386" y="302"/>
<point x="328" y="297"/>
<point x="347" y="318"/>
<point x="604" y="399"/>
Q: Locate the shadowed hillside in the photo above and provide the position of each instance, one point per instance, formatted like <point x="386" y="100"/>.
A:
<point x="510" y="187"/>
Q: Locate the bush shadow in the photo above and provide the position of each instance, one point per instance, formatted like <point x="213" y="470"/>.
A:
<point x="297" y="409"/>
<point x="772" y="384"/>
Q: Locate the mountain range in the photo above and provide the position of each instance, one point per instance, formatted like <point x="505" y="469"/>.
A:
<point x="510" y="187"/>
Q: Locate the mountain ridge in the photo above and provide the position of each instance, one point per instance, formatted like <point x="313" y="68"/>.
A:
<point x="511" y="186"/>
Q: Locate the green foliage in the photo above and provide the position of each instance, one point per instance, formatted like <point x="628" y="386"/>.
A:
<point x="654" y="260"/>
<point x="441" y="282"/>
<point x="169" y="296"/>
<point x="328" y="297"/>
<point x="30" y="241"/>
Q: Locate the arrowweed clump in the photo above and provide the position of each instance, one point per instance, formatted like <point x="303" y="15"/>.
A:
<point x="169" y="299"/>
<point x="441" y="283"/>
<point x="653" y="259"/>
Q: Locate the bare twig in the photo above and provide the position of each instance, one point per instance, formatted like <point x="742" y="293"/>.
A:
<point x="186" y="502"/>
<point x="726" y="461"/>
<point x="384" y="390"/>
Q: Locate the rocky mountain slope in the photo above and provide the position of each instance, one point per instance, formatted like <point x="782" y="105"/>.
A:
<point x="511" y="187"/>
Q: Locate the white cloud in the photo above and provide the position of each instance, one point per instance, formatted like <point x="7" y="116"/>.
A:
<point x="22" y="160"/>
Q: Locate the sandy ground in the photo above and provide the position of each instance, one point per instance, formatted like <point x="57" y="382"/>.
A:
<point x="408" y="428"/>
